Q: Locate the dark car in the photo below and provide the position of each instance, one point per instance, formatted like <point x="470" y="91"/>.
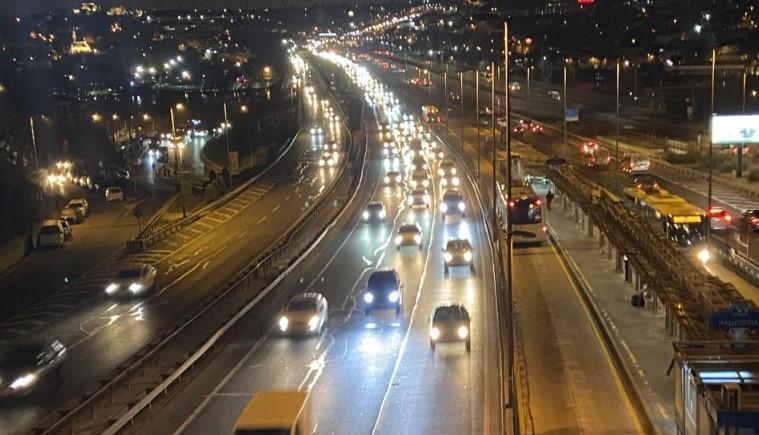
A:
<point x="450" y="324"/>
<point x="384" y="290"/>
<point x="375" y="212"/>
<point x="26" y="366"/>
<point x="453" y="203"/>
<point x="751" y="217"/>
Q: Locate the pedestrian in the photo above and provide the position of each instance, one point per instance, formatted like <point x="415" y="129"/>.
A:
<point x="549" y="199"/>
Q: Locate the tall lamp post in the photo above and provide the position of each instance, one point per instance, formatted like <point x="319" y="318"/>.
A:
<point x="445" y="97"/>
<point x="178" y="106"/>
<point x="34" y="143"/>
<point x="477" y="116"/>
<point x="616" y="111"/>
<point x="564" y="115"/>
<point x="509" y="244"/>
<point x="711" y="146"/>
<point x="226" y="134"/>
<point x="461" y="100"/>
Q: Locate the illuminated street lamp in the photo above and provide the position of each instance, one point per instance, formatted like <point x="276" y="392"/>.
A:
<point x="244" y="109"/>
<point x="96" y="117"/>
<point x="2" y="88"/>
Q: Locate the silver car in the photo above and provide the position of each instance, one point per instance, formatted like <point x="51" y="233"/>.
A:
<point x="409" y="234"/>
<point x="306" y="313"/>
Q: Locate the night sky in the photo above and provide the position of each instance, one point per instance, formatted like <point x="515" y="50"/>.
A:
<point x="30" y="6"/>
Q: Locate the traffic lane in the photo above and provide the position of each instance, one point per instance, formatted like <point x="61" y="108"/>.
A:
<point x="571" y="383"/>
<point x="105" y="333"/>
<point x="46" y="270"/>
<point x="449" y="390"/>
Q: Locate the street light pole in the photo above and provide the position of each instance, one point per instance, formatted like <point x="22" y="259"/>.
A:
<point x="743" y="95"/>
<point x="226" y="133"/>
<point x="34" y="143"/>
<point x="176" y="159"/>
<point x="477" y="116"/>
<point x="711" y="145"/>
<point x="461" y="95"/>
<point x="564" y="115"/>
<point x="528" y="85"/>
<point x="445" y="97"/>
<point x="616" y="110"/>
<point x="509" y="244"/>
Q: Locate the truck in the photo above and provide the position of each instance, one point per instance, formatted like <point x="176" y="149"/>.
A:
<point x="430" y="114"/>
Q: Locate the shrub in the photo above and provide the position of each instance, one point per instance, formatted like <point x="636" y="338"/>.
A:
<point x="753" y="174"/>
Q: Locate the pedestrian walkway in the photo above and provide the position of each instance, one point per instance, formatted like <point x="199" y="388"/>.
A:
<point x="639" y="333"/>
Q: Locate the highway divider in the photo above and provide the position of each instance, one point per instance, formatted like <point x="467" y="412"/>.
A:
<point x="148" y="375"/>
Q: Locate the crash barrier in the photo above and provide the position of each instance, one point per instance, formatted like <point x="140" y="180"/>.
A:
<point x="148" y="375"/>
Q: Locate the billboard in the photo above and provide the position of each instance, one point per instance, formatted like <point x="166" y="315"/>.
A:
<point x="735" y="129"/>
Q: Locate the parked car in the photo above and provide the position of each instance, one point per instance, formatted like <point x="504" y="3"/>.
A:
<point x="81" y="205"/>
<point x="51" y="234"/>
<point x="71" y="215"/>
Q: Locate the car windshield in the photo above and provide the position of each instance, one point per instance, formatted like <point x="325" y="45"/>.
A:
<point x="19" y="358"/>
<point x="457" y="245"/>
<point x="374" y="206"/>
<point x="128" y="273"/>
<point x="382" y="281"/>
<point x="76" y="204"/>
<point x="302" y="305"/>
<point x="448" y="314"/>
<point x="114" y="190"/>
<point x="406" y="229"/>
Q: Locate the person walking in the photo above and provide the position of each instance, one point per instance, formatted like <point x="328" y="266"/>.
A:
<point x="549" y="198"/>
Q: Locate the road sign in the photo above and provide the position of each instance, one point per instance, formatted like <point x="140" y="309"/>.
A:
<point x="572" y="115"/>
<point x="736" y="316"/>
<point x="735" y="129"/>
<point x="234" y="163"/>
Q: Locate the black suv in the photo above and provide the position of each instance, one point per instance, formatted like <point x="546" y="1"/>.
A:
<point x="384" y="290"/>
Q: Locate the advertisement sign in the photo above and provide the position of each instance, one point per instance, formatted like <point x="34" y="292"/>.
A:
<point x="572" y="115"/>
<point x="735" y="129"/>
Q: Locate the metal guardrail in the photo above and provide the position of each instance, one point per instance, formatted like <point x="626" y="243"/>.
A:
<point x="139" y="382"/>
<point x="155" y="235"/>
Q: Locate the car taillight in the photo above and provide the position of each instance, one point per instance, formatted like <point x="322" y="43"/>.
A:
<point x="728" y="218"/>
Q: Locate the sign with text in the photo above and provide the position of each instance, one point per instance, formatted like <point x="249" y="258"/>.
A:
<point x="572" y="115"/>
<point x="735" y="129"/>
<point x="737" y="315"/>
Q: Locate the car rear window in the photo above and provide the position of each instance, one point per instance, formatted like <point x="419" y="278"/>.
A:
<point x="302" y="305"/>
<point x="452" y="197"/>
<point x="457" y="245"/>
<point x="49" y="229"/>
<point x="408" y="229"/>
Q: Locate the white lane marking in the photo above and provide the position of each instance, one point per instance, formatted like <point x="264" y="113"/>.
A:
<point x="274" y="210"/>
<point x="260" y="221"/>
<point x="287" y="198"/>
<point x="367" y="261"/>
<point x="404" y="342"/>
<point x="242" y="234"/>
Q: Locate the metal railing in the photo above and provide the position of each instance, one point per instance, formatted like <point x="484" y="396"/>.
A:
<point x="148" y="375"/>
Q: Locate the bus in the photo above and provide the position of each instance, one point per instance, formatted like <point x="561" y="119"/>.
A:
<point x="276" y="413"/>
<point x="430" y="114"/>
<point x="677" y="219"/>
<point x="526" y="210"/>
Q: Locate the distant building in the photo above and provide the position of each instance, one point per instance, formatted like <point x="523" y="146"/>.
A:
<point x="117" y="11"/>
<point x="89" y="8"/>
<point x="79" y="46"/>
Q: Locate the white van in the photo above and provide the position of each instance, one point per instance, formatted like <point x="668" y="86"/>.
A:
<point x="51" y="234"/>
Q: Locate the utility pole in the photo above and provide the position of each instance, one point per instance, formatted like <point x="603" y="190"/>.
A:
<point x="529" y="67"/>
<point x="616" y="111"/>
<point x="445" y="97"/>
<point x="509" y="242"/>
<point x="564" y="115"/>
<point x="34" y="143"/>
<point x="711" y="146"/>
<point x="226" y="133"/>
<point x="477" y="116"/>
<point x="461" y="94"/>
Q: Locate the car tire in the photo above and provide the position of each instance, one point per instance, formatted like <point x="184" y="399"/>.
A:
<point x="432" y="345"/>
<point x="446" y="271"/>
<point x="468" y="346"/>
<point x="367" y="311"/>
<point x="397" y="310"/>
<point x="471" y="269"/>
<point x="398" y="247"/>
<point x="420" y="246"/>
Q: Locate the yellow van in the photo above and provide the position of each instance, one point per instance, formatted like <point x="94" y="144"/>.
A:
<point x="276" y="413"/>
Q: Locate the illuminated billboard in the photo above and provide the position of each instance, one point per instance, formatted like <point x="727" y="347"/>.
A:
<point x="735" y="129"/>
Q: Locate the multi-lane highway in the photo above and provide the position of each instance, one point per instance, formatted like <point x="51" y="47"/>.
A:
<point x="102" y="332"/>
<point x="372" y="373"/>
<point x="567" y="388"/>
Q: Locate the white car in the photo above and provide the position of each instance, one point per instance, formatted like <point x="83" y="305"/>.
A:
<point x="555" y="95"/>
<point x="134" y="279"/>
<point x="81" y="205"/>
<point x="419" y="179"/>
<point x="392" y="178"/>
<point x="51" y="234"/>
<point x="409" y="234"/>
<point x="306" y="313"/>
<point x="419" y="198"/>
<point x="453" y="203"/>
<point x="458" y="252"/>
<point x="317" y="131"/>
<point x="114" y="194"/>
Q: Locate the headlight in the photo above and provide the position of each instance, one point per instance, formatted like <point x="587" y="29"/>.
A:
<point x="112" y="287"/>
<point x="441" y="172"/>
<point x="463" y="332"/>
<point x="135" y="287"/>
<point x="448" y="257"/>
<point x="426" y="183"/>
<point x="413" y="183"/>
<point x="368" y="298"/>
<point x="443" y="207"/>
<point x="24" y="381"/>
<point x="313" y="322"/>
<point x="386" y="180"/>
<point x="434" y="333"/>
<point x="467" y="256"/>
<point x="453" y="171"/>
<point x="393" y="296"/>
<point x="398" y="177"/>
<point x="462" y="206"/>
<point x="417" y="238"/>
<point x="284" y="322"/>
<point x="426" y="199"/>
<point x="410" y="200"/>
<point x="365" y="215"/>
<point x="398" y="240"/>
<point x="382" y="214"/>
<point x="455" y="181"/>
<point x="321" y="162"/>
<point x="444" y="182"/>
